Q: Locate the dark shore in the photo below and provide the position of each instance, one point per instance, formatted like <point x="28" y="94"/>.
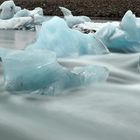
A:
<point x="110" y="9"/>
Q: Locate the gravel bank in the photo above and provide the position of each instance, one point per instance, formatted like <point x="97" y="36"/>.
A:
<point x="92" y="8"/>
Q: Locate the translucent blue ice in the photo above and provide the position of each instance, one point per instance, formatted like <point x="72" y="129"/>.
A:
<point x="39" y="70"/>
<point x="56" y="36"/>
<point x="122" y="38"/>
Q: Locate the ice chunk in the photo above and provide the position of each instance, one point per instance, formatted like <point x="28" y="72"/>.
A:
<point x="56" y="36"/>
<point x="7" y="9"/>
<point x="92" y="27"/>
<point x="22" y="13"/>
<point x="12" y="17"/>
<point x="123" y="38"/>
<point x="39" y="70"/>
<point x="26" y="12"/>
<point x="36" y="14"/>
<point x="37" y="10"/>
<point x="73" y="20"/>
<point x="16" y="23"/>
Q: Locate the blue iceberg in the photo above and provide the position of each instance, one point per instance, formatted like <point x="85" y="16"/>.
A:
<point x="122" y="38"/>
<point x="38" y="70"/>
<point x="56" y="36"/>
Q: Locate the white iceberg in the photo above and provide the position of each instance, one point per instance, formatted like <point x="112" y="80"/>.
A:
<point x="16" y="23"/>
<point x="56" y="36"/>
<point x="73" y="20"/>
<point x="36" y="14"/>
<point x="122" y="38"/>
<point x="39" y="70"/>
<point x="7" y="10"/>
<point x="13" y="17"/>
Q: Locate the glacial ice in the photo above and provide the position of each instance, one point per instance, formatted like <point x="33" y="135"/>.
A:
<point x="122" y="38"/>
<point x="92" y="27"/>
<point x="13" y="17"/>
<point x="26" y="70"/>
<point x="7" y="9"/>
<point x="73" y="20"/>
<point x="56" y="36"/>
<point x="16" y="23"/>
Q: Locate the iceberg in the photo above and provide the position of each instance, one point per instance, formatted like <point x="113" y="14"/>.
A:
<point x="56" y="36"/>
<point x="22" y="13"/>
<point x="7" y="9"/>
<point x="92" y="27"/>
<point x="73" y="20"/>
<point x="122" y="38"/>
<point x="38" y="70"/>
<point x="36" y="14"/>
<point x="16" y="23"/>
<point x="13" y="17"/>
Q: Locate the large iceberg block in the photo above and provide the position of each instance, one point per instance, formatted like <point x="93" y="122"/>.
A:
<point x="39" y="70"/>
<point x="7" y="9"/>
<point x="122" y="38"/>
<point x="56" y="36"/>
<point x="73" y="20"/>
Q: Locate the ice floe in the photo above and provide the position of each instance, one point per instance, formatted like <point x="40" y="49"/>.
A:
<point x="56" y="36"/>
<point x="13" y="17"/>
<point x="39" y="70"/>
<point x="7" y="10"/>
<point x="73" y="20"/>
<point x="122" y="38"/>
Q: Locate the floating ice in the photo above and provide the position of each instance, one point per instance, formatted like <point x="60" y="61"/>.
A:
<point x="22" y="13"/>
<point x="7" y="9"/>
<point x="36" y="14"/>
<point x="123" y="38"/>
<point x="13" y="17"/>
<point x="73" y="20"/>
<point x="39" y="70"/>
<point x="92" y="27"/>
<point x="16" y="23"/>
<point x="56" y="36"/>
<point x="26" y="12"/>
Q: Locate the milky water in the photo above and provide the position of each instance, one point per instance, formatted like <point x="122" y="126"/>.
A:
<point x="105" y="111"/>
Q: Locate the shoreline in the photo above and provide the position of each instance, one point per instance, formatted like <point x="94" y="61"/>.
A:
<point x="104" y="9"/>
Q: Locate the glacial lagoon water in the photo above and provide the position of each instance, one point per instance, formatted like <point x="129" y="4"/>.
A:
<point x="105" y="111"/>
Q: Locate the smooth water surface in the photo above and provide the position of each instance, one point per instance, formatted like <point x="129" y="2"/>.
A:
<point x="105" y="111"/>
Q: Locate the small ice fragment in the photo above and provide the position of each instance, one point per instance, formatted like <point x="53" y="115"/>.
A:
<point x="122" y="38"/>
<point x="73" y="20"/>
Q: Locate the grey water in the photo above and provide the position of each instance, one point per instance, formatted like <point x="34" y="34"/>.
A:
<point x="105" y="111"/>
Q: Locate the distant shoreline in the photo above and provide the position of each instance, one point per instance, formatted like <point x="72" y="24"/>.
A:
<point x="102" y="9"/>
